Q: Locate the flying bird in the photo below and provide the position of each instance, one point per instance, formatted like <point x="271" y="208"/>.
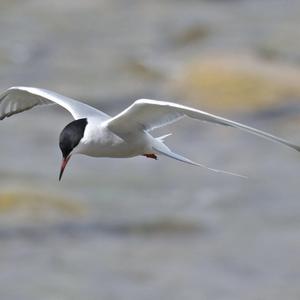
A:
<point x="94" y="133"/>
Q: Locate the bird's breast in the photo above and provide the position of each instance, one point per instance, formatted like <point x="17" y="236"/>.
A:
<point x="101" y="142"/>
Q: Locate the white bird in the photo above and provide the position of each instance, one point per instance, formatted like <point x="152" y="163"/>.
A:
<point x="95" y="133"/>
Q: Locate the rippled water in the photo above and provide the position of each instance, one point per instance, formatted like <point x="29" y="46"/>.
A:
<point x="138" y="228"/>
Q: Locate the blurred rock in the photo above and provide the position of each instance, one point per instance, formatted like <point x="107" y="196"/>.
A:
<point x="190" y="35"/>
<point x="29" y="206"/>
<point x="241" y="83"/>
<point x="142" y="70"/>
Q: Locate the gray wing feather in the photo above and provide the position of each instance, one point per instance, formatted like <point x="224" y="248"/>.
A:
<point x="18" y="99"/>
<point x="150" y="114"/>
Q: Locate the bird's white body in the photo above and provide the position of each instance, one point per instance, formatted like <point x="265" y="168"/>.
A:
<point x="100" y="141"/>
<point x="124" y="135"/>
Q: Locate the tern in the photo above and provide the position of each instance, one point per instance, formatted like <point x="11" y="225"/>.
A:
<point x="94" y="133"/>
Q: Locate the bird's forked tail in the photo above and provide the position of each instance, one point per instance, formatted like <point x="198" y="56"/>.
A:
<point x="164" y="150"/>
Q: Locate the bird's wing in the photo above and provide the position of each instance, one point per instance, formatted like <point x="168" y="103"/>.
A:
<point x="147" y="115"/>
<point x="18" y="99"/>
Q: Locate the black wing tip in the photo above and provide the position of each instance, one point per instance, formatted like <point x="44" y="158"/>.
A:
<point x="293" y="146"/>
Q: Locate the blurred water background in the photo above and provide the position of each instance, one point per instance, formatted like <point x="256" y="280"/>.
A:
<point x="138" y="228"/>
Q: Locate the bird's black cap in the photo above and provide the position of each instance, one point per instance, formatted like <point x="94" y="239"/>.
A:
<point x="71" y="136"/>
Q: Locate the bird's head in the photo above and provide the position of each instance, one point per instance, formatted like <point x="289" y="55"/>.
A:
<point x="69" y="139"/>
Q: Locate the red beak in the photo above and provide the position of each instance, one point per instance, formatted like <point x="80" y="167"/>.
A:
<point x="63" y="165"/>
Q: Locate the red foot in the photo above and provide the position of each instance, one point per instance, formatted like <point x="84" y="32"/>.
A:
<point x="151" y="155"/>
